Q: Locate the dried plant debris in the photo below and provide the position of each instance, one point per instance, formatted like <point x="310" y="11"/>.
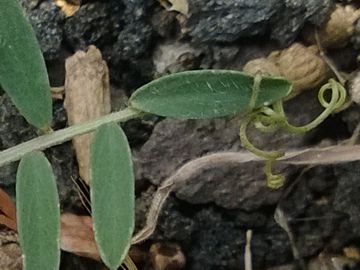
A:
<point x="326" y="261"/>
<point x="87" y="96"/>
<point x="77" y="236"/>
<point x="172" y="57"/>
<point x="7" y="211"/>
<point x="10" y="251"/>
<point x="354" y="88"/>
<point x="337" y="31"/>
<point x="299" y="64"/>
<point x="180" y="6"/>
<point x="69" y="7"/>
<point x="167" y="256"/>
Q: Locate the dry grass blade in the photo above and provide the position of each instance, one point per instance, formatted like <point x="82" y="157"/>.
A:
<point x="311" y="156"/>
<point x="323" y="156"/>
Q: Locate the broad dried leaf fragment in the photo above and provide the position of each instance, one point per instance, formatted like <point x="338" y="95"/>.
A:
<point x="77" y="236"/>
<point x="8" y="209"/>
<point x="87" y="96"/>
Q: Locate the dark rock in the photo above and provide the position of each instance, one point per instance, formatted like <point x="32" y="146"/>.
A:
<point x="216" y="243"/>
<point x="314" y="232"/>
<point x="13" y="130"/>
<point x="279" y="249"/>
<point x="347" y="194"/>
<point x="355" y="38"/>
<point x="351" y="117"/>
<point x="130" y="54"/>
<point x="135" y="38"/>
<point x="213" y="238"/>
<point x="133" y="41"/>
<point x="47" y="21"/>
<point x="227" y="21"/>
<point x="96" y="23"/>
<point x="174" y="224"/>
<point x="63" y="164"/>
<point x="344" y="59"/>
<point x="164" y="22"/>
<point x="70" y="261"/>
<point x="312" y="219"/>
<point x="289" y="20"/>
<point x="174" y="142"/>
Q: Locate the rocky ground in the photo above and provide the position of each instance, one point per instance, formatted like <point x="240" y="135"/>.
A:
<point x="208" y="216"/>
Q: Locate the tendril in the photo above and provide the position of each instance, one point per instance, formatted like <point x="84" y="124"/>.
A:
<point x="338" y="98"/>
<point x="268" y="119"/>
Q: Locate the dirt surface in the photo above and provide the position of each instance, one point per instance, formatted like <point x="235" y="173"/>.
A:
<point x="207" y="217"/>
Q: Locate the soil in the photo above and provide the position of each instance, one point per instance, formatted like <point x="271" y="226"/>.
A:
<point x="208" y="216"/>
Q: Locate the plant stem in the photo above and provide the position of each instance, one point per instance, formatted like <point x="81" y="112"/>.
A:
<point x="63" y="135"/>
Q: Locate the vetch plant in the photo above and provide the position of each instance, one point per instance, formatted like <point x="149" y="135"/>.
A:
<point x="198" y="94"/>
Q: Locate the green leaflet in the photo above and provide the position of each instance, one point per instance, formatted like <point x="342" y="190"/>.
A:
<point x="38" y="213"/>
<point x="23" y="73"/>
<point x="205" y="94"/>
<point x="112" y="193"/>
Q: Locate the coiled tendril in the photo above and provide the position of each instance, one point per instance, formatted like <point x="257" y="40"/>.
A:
<point x="269" y="119"/>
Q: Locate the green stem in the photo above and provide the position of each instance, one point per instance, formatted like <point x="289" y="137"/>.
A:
<point x="249" y="146"/>
<point x="63" y="135"/>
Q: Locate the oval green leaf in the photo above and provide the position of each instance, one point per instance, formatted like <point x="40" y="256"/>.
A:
<point x="112" y="193"/>
<point x="202" y="94"/>
<point x="23" y="73"/>
<point x="38" y="213"/>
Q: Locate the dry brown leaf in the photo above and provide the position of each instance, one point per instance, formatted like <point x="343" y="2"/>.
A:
<point x="69" y="7"/>
<point x="77" y="236"/>
<point x="8" y="208"/>
<point x="180" y="6"/>
<point x="352" y="252"/>
<point x="87" y="96"/>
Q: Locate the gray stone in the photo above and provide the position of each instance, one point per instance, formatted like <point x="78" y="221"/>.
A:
<point x="95" y="23"/>
<point x="13" y="130"/>
<point x="174" y="142"/>
<point x="346" y="199"/>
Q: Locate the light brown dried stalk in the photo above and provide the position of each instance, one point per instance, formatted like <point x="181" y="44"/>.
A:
<point x="87" y="97"/>
<point x="311" y="156"/>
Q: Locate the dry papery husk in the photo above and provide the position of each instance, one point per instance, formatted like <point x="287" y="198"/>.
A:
<point x="87" y="96"/>
<point x="299" y="64"/>
<point x="337" y="31"/>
